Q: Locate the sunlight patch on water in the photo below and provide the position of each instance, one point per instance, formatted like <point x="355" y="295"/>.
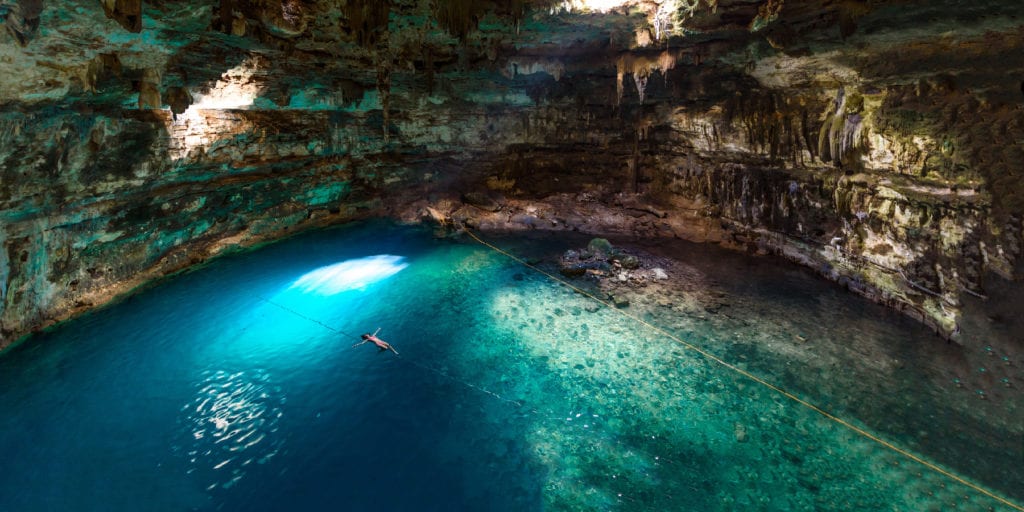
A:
<point x="232" y="421"/>
<point x="350" y="275"/>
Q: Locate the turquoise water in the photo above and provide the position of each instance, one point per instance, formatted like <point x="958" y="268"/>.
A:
<point x="236" y="387"/>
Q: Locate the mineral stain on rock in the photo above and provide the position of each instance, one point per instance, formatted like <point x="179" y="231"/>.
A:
<point x="864" y="140"/>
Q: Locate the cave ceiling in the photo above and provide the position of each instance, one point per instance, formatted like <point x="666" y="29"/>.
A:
<point x="107" y="52"/>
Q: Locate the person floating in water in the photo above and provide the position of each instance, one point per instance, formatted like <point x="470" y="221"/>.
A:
<point x="381" y="344"/>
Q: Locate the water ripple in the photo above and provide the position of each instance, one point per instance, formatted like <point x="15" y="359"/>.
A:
<point x="230" y="425"/>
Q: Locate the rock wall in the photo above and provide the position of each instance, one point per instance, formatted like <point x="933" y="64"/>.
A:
<point x="865" y="140"/>
<point x="95" y="205"/>
<point x="848" y="196"/>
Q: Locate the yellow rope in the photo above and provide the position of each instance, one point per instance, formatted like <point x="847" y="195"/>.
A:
<point x="761" y="381"/>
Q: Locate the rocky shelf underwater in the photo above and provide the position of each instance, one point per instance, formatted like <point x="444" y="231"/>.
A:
<point x="513" y="391"/>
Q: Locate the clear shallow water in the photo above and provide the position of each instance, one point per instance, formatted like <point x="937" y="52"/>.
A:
<point x="229" y="389"/>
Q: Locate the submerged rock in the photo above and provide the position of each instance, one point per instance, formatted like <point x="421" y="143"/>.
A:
<point x="572" y="270"/>
<point x="740" y="432"/>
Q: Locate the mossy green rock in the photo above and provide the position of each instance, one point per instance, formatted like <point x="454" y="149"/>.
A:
<point x="628" y="261"/>
<point x="600" y="246"/>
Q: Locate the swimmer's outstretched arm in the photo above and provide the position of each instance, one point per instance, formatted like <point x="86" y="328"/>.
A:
<point x="375" y="332"/>
<point x="360" y="343"/>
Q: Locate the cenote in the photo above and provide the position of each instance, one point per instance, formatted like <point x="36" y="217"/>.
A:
<point x="236" y="386"/>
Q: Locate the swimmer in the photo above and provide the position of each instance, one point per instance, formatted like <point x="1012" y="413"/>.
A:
<point x="381" y="344"/>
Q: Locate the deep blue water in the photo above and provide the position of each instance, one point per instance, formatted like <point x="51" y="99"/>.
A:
<point x="236" y="387"/>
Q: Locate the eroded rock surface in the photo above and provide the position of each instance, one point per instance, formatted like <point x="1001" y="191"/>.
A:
<point x="878" y="142"/>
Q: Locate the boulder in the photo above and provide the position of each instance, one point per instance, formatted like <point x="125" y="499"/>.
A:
<point x="600" y="246"/>
<point x="627" y="261"/>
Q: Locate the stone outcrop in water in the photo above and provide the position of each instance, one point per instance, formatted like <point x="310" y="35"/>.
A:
<point x="876" y="142"/>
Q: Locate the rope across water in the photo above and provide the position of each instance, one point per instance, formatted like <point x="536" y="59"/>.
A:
<point x="399" y="356"/>
<point x="758" y="380"/>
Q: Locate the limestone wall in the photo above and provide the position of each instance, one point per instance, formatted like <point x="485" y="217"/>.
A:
<point x="877" y="146"/>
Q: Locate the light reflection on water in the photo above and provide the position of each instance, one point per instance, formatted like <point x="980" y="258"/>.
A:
<point x="350" y="275"/>
<point x="230" y="425"/>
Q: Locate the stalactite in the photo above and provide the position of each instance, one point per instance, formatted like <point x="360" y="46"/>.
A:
<point x="149" y="89"/>
<point x="689" y="8"/>
<point x="428" y="56"/>
<point x="634" y="163"/>
<point x="368" y="19"/>
<point x="284" y="18"/>
<point x="850" y="11"/>
<point x="641" y="67"/>
<point x="127" y="13"/>
<point x="22" y="20"/>
<point x="516" y="9"/>
<point x="225" y="16"/>
<point x="528" y="66"/>
<point x="458" y="17"/>
<point x="384" y="89"/>
<point x="661" y="21"/>
<point x="805" y="131"/>
<point x="641" y="85"/>
<point x="179" y="99"/>
<point x="776" y="125"/>
<point x="842" y="129"/>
